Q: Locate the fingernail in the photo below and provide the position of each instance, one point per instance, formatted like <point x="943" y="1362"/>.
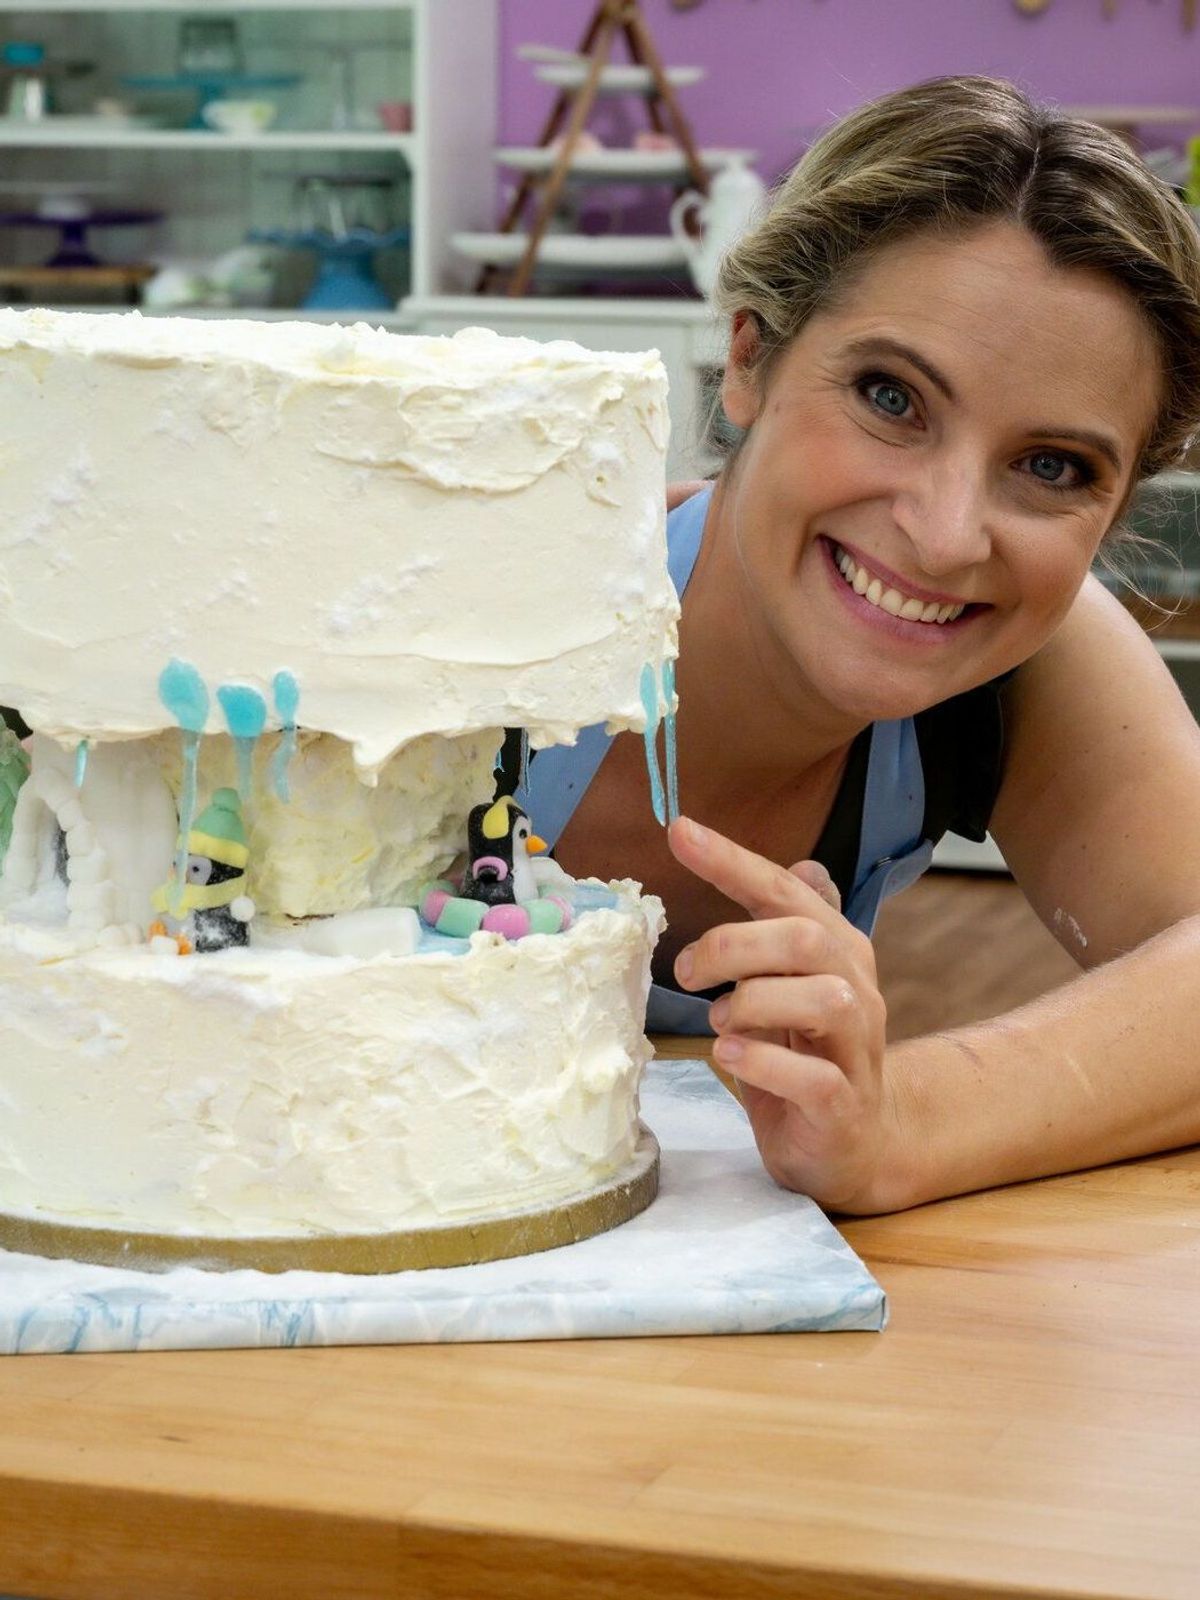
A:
<point x="718" y="1013"/>
<point x="694" y="833"/>
<point x="728" y="1049"/>
<point x="684" y="963"/>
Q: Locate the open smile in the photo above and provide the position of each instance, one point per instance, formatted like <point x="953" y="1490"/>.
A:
<point x="920" y="612"/>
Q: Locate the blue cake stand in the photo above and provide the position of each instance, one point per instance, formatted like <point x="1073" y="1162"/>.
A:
<point x="345" y="279"/>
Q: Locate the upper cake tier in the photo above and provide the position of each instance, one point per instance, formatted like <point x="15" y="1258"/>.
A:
<point x="430" y="536"/>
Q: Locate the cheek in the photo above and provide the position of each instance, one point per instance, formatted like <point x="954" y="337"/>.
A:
<point x="1052" y="564"/>
<point x="816" y="457"/>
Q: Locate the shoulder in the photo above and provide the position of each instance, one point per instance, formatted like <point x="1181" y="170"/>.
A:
<point x="1102" y="767"/>
<point x="1098" y="678"/>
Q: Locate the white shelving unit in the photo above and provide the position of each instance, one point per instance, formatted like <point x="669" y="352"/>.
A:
<point x="439" y="55"/>
<point x="36" y="136"/>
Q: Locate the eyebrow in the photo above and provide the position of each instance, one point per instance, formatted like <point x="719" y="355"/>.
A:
<point x="878" y="344"/>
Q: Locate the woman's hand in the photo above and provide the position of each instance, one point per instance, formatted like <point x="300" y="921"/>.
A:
<point x="803" y="1029"/>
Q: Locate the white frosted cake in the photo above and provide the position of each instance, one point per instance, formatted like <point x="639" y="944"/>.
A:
<point x="269" y="596"/>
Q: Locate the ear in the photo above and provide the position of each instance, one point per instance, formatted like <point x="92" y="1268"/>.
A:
<point x="739" y="388"/>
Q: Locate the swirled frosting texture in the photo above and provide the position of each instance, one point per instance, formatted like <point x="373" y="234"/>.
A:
<point x="269" y="1092"/>
<point x="435" y="536"/>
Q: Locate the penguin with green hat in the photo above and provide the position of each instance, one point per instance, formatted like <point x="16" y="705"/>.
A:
<point x="212" y="911"/>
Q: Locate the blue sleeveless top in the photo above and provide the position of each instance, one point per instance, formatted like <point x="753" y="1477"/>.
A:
<point x="892" y="851"/>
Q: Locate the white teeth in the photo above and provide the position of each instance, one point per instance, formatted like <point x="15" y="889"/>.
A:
<point x="891" y="600"/>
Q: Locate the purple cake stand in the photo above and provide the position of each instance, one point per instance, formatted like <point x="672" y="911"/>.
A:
<point x="72" y="240"/>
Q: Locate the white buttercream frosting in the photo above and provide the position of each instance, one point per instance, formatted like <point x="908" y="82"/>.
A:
<point x="434" y="536"/>
<point x="272" y="1092"/>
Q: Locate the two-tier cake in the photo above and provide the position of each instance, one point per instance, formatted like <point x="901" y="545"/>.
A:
<point x="270" y="594"/>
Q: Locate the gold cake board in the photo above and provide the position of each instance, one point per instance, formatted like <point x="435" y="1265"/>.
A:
<point x="458" y="1245"/>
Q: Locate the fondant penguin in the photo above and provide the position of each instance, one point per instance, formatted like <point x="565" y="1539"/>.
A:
<point x="500" y="841"/>
<point x="498" y="891"/>
<point x="212" y="911"/>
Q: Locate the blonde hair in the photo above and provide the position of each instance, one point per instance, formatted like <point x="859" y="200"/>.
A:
<point x="952" y="154"/>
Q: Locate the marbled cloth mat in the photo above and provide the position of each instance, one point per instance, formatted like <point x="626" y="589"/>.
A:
<point x="721" y="1250"/>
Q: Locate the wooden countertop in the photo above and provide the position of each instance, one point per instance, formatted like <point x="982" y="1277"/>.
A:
<point x="1028" y="1425"/>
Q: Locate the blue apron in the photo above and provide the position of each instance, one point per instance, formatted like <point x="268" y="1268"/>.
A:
<point x="892" y="853"/>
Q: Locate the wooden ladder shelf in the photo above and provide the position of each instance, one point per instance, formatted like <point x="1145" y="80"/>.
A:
<point x="573" y="106"/>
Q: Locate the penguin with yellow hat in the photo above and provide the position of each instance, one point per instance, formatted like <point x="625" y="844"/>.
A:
<point x="212" y="910"/>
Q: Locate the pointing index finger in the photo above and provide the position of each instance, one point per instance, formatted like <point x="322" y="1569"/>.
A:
<point x="762" y="887"/>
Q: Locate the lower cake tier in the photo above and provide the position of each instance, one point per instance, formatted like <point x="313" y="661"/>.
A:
<point x="279" y="1096"/>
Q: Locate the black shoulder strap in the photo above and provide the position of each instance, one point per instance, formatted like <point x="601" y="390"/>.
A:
<point x="962" y="755"/>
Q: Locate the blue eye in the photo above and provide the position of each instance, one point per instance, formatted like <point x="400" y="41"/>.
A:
<point x="1058" y="470"/>
<point x="887" y="396"/>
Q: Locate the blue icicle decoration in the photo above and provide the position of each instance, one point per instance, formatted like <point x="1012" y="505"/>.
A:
<point x="287" y="703"/>
<point x="650" y="706"/>
<point x="245" y="717"/>
<point x="668" y="685"/>
<point x="181" y="689"/>
<point x="81" y="761"/>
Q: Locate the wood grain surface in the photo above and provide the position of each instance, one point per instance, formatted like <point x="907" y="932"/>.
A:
<point x="1027" y="1425"/>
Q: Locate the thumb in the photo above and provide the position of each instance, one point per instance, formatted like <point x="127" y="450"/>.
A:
<point x="816" y="877"/>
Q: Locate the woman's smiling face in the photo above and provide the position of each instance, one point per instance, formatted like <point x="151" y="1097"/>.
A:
<point x="932" y="463"/>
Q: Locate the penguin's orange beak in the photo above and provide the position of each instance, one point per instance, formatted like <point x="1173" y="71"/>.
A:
<point x="534" y="846"/>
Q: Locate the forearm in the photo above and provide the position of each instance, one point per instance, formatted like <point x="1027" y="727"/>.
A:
<point x="1104" y="1068"/>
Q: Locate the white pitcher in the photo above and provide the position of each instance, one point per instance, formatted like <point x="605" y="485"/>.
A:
<point x="735" y="196"/>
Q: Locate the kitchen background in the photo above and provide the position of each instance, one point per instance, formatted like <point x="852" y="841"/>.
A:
<point x="361" y="160"/>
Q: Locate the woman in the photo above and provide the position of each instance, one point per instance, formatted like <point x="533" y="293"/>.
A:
<point x="966" y="330"/>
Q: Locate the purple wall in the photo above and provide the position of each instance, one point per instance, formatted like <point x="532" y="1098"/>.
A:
<point x="779" y="69"/>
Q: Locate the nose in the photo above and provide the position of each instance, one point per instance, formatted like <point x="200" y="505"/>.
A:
<point x="942" y="508"/>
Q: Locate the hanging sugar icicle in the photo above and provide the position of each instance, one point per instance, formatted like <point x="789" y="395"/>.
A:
<point x="245" y="717"/>
<point x="81" y="761"/>
<point x="181" y="689"/>
<point x="287" y="703"/>
<point x="668" y="687"/>
<point x="523" y="768"/>
<point x="650" y="706"/>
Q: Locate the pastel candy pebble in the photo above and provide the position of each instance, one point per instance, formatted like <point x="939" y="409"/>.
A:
<point x="513" y="922"/>
<point x="564" y="907"/>
<point x="431" y="899"/>
<point x="460" y="918"/>
<point x="545" y="916"/>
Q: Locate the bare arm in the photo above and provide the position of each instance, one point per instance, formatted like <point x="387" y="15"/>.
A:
<point x="1099" y="818"/>
<point x="1104" y="1068"/>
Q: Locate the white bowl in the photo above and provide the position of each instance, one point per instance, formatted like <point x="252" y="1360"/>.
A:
<point x="240" y="116"/>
